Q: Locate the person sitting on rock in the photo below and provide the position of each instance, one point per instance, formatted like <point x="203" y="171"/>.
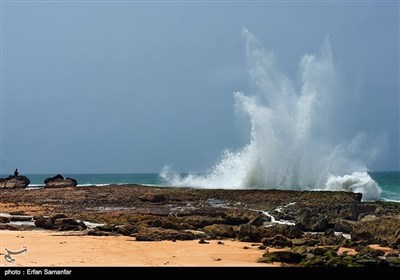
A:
<point x="16" y="172"/>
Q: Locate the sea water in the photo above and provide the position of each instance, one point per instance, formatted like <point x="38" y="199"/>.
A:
<point x="389" y="181"/>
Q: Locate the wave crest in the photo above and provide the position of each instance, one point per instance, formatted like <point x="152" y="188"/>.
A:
<point x="296" y="140"/>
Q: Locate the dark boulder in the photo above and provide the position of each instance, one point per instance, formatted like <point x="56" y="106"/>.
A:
<point x="60" y="222"/>
<point x="107" y="228"/>
<point x="124" y="231"/>
<point x="57" y="177"/>
<point x="56" y="217"/>
<point x="69" y="228"/>
<point x="66" y="221"/>
<point x="219" y="230"/>
<point x="281" y="256"/>
<point x="4" y="220"/>
<point x="82" y="225"/>
<point x="285" y="230"/>
<point x="21" y="218"/>
<point x="256" y="234"/>
<point x="8" y="227"/>
<point x="257" y="221"/>
<point x="277" y="241"/>
<point x="96" y="232"/>
<point x="319" y="251"/>
<point x="308" y="221"/>
<point x="249" y="233"/>
<point x="302" y="250"/>
<point x="14" y="182"/>
<point x="343" y="226"/>
<point x="66" y="224"/>
<point x="44" y="223"/>
<point x="72" y="180"/>
<point x="58" y="181"/>
<point x="306" y="241"/>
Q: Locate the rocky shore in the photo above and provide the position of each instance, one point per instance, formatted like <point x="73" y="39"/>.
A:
<point x="293" y="228"/>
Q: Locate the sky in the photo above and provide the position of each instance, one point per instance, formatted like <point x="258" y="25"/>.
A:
<point x="129" y="87"/>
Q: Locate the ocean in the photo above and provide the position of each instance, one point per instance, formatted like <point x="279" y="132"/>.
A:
<point x="389" y="181"/>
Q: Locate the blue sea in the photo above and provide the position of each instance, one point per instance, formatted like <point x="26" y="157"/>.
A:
<point x="389" y="181"/>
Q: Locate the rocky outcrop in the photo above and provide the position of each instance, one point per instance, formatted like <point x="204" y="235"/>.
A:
<point x="277" y="241"/>
<point x="58" y="181"/>
<point x="219" y="230"/>
<point x="308" y="221"/>
<point x="381" y="230"/>
<point x="59" y="222"/>
<point x="12" y="182"/>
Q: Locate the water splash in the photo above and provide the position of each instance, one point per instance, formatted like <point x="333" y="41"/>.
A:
<point x="293" y="133"/>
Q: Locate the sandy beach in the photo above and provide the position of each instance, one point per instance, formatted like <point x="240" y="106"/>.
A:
<point x="143" y="226"/>
<point x="48" y="248"/>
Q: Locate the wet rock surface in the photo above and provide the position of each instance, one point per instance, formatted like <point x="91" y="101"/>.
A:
<point x="298" y="223"/>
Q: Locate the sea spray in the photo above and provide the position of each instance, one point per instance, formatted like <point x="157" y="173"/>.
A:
<point x="295" y="140"/>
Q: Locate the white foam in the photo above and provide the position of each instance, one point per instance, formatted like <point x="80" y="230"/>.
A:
<point x="391" y="200"/>
<point x="296" y="139"/>
<point x="275" y="221"/>
<point x="359" y="182"/>
<point x="90" y="224"/>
